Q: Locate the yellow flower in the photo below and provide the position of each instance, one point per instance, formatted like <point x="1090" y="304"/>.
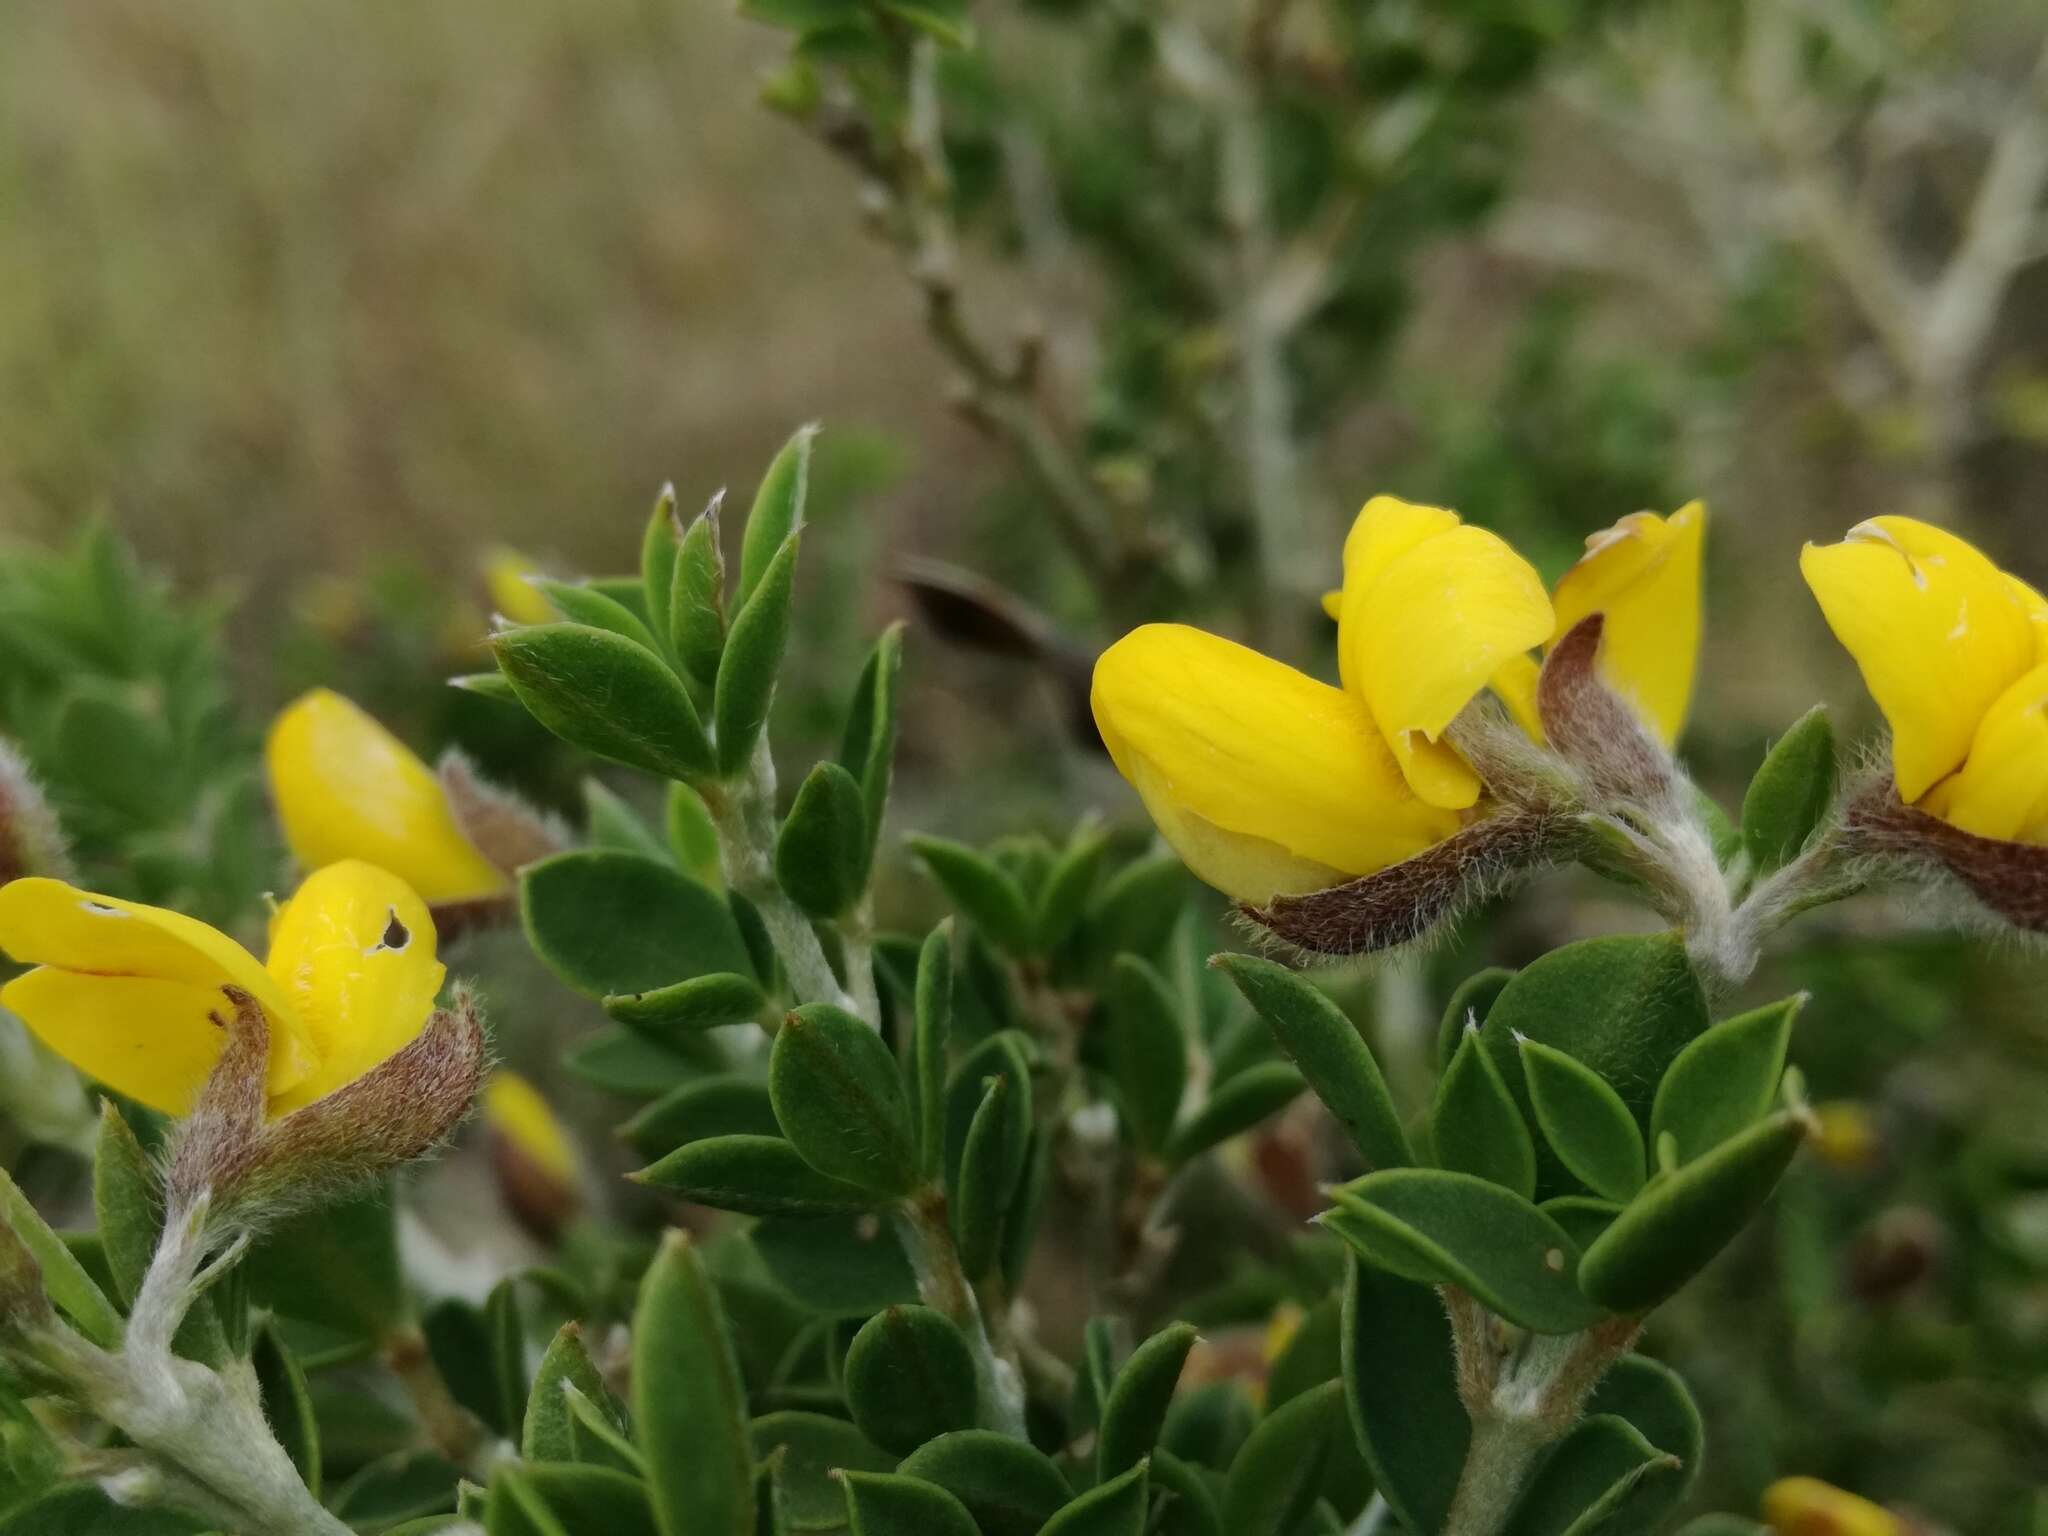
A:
<point x="1846" y="1135"/>
<point x="505" y="573"/>
<point x="346" y="788"/>
<point x="130" y="994"/>
<point x="1644" y="575"/>
<point x="1955" y="651"/>
<point x="1806" y="1506"/>
<point x="514" y="1109"/>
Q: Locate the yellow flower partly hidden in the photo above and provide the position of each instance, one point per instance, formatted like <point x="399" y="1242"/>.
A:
<point x="1955" y="651"/>
<point x="1806" y="1506"/>
<point x="1270" y="783"/>
<point x="346" y="788"/>
<point x="505" y="580"/>
<point x="131" y="995"/>
<point x="515" y="1110"/>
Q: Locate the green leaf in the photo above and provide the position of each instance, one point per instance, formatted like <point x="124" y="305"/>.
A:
<point x="844" y="1266"/>
<point x="1278" y="1476"/>
<point x="1236" y="1106"/>
<point x="658" y="548"/>
<point x="1147" y="1050"/>
<point x="1114" y="1507"/>
<point x="612" y="924"/>
<point x="693" y="836"/>
<point x="1324" y="1043"/>
<point x="458" y="1337"/>
<point x="287" y="1403"/>
<point x="1135" y="1410"/>
<point x="1063" y="898"/>
<point x="777" y="513"/>
<point x="1020" y="1226"/>
<point x="1008" y="1488"/>
<point x="586" y="605"/>
<point x="1585" y="1217"/>
<point x="909" y="1377"/>
<point x="868" y="749"/>
<point x="1669" y="1232"/>
<point x="690" y="1007"/>
<point x="809" y="1451"/>
<point x="726" y="1105"/>
<point x="81" y="1509"/>
<point x="695" y="603"/>
<point x="1469" y="1007"/>
<point x="752" y="660"/>
<point x="594" y="1499"/>
<point x="406" y="1485"/>
<point x="840" y="1098"/>
<point x="66" y="1281"/>
<point x="1721" y="831"/>
<point x="1652" y="1397"/>
<point x="1623" y="1007"/>
<point x="611" y="823"/>
<point x="1441" y="1228"/>
<point x="335" y="1264"/>
<point x="595" y="1432"/>
<point x="1312" y="1355"/>
<point x="629" y="1064"/>
<point x="1585" y="1122"/>
<point x="1400" y="1381"/>
<point x="886" y="1504"/>
<point x="1586" y="1481"/>
<point x="545" y="1434"/>
<point x="1792" y="792"/>
<point x="933" y="1008"/>
<point x="821" y="854"/>
<point x="989" y="897"/>
<point x="1724" y="1081"/>
<point x="755" y="1175"/>
<point x="1474" y="1125"/>
<point x="689" y="1406"/>
<point x="506" y="1326"/>
<point x="1184" y="1503"/>
<point x="608" y="695"/>
<point x="1208" y="1425"/>
<point x="130" y="1220"/>
<point x="1135" y="910"/>
<point x="991" y="1163"/>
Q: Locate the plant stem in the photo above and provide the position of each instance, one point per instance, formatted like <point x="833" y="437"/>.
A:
<point x="744" y="815"/>
<point x="928" y="1239"/>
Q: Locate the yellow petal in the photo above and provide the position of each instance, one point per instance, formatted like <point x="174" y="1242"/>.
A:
<point x="1515" y="685"/>
<point x="346" y="788"/>
<point x="354" y="952"/>
<point x="1806" y="1506"/>
<point x="1644" y="574"/>
<point x="1385" y="529"/>
<point x="2037" y="610"/>
<point x="127" y="993"/>
<point x="2002" y="789"/>
<point x="505" y="573"/>
<point x="1264" y="780"/>
<point x="1938" y="631"/>
<point x="1422" y="637"/>
<point x="515" y="1109"/>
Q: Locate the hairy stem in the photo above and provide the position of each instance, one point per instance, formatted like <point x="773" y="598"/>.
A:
<point x="928" y="1239"/>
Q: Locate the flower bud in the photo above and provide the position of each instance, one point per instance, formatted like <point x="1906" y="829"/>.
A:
<point x="535" y="1159"/>
<point x="31" y="842"/>
<point x="1806" y="1506"/>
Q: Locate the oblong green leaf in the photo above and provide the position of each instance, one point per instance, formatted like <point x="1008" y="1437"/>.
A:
<point x="1008" y="1487"/>
<point x="690" y="1007"/>
<point x="1238" y="1104"/>
<point x="658" y="548"/>
<point x="982" y="890"/>
<point x="587" y="605"/>
<point x="932" y="1007"/>
<point x="909" y="1377"/>
<point x="1585" y="1121"/>
<point x="841" y="1100"/>
<point x="1792" y="792"/>
<point x="751" y="662"/>
<point x="612" y="924"/>
<point x="1278" y="1475"/>
<point x="1324" y="1043"/>
<point x="888" y="1504"/>
<point x="544" y="1433"/>
<point x="1115" y="1507"/>
<point x="629" y="1064"/>
<point x="754" y="1175"/>
<point x="1724" y="1081"/>
<point x="843" y="1266"/>
<point x="1654" y="1398"/>
<point x="868" y="748"/>
<point x="596" y="1499"/>
<point x="689" y="1404"/>
<point x="1135" y="1411"/>
<point x="821" y="854"/>
<point x="1474" y="1126"/>
<point x="777" y="512"/>
<point x="1183" y="1503"/>
<point x="1468" y="1008"/>
<point x="1400" y="1383"/>
<point x="1584" y="1484"/>
<point x="1669" y="1232"/>
<point x="695" y="600"/>
<point x="810" y="1452"/>
<point x="726" y="1105"/>
<point x="1438" y="1227"/>
<point x="64" y="1278"/>
<point x="608" y="695"/>
<point x="991" y="1164"/>
<point x="1064" y="897"/>
<point x="1147" y="1050"/>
